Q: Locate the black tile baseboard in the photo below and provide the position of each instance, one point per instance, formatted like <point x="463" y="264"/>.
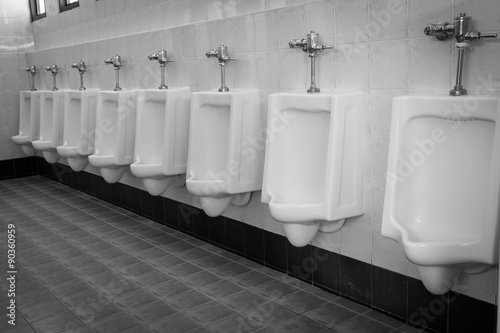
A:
<point x="394" y="294"/>
<point x="300" y="262"/>
<point x="355" y="280"/>
<point x="426" y="310"/>
<point x="389" y="291"/>
<point x="18" y="167"/>
<point x="462" y="308"/>
<point x="326" y="270"/>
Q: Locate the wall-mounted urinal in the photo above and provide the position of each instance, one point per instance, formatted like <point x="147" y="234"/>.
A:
<point x="115" y="133"/>
<point x="115" y="129"/>
<point x="313" y="172"/>
<point x="79" y="124"/>
<point x="161" y="143"/>
<point x="29" y="116"/>
<point x="51" y="120"/>
<point x="79" y="127"/>
<point x="29" y="120"/>
<point x="443" y="185"/>
<point x="51" y="124"/>
<point x="223" y="166"/>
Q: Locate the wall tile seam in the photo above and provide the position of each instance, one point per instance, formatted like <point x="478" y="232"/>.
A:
<point x="335" y="44"/>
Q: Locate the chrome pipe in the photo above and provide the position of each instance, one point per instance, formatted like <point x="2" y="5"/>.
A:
<point x="459" y="90"/>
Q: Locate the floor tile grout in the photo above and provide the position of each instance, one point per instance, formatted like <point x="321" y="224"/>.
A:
<point x="44" y="201"/>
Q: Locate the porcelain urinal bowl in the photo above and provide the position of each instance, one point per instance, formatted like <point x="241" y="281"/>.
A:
<point x="224" y="157"/>
<point x="51" y="124"/>
<point x="443" y="185"/>
<point x="79" y="128"/>
<point x="313" y="172"/>
<point x="161" y="141"/>
<point x="29" y="121"/>
<point x="114" y="133"/>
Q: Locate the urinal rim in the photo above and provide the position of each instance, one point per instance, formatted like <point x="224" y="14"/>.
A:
<point x="49" y="143"/>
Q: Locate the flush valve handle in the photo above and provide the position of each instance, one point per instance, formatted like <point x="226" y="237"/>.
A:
<point x="474" y="36"/>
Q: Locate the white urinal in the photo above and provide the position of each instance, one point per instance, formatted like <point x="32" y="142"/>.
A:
<point x="161" y="143"/>
<point x="79" y="128"/>
<point x="29" y="121"/>
<point x="443" y="185"/>
<point x="224" y="160"/>
<point x="114" y="133"/>
<point x="51" y="124"/>
<point x="313" y="172"/>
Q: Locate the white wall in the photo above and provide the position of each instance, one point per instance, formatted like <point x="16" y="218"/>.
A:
<point x="380" y="48"/>
<point x="16" y="38"/>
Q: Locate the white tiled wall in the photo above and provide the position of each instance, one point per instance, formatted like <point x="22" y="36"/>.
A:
<point x="16" y="37"/>
<point x="379" y="48"/>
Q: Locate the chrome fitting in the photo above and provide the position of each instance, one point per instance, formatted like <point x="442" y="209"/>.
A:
<point x="82" y="68"/>
<point x="162" y="58"/>
<point x="223" y="57"/>
<point x="54" y="70"/>
<point x="117" y="63"/>
<point x="32" y="70"/>
<point x="310" y="45"/>
<point x="460" y="30"/>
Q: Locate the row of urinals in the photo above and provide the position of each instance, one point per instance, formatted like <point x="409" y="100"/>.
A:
<point x="214" y="143"/>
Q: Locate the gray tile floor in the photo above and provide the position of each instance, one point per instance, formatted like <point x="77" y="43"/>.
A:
<point x="84" y="265"/>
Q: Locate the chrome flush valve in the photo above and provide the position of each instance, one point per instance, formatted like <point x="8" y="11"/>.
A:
<point x="460" y="30"/>
<point x="310" y="45"/>
<point x="32" y="70"/>
<point x="161" y="56"/>
<point x="222" y="55"/>
<point x="82" y="68"/>
<point x="117" y="63"/>
<point x="54" y="70"/>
